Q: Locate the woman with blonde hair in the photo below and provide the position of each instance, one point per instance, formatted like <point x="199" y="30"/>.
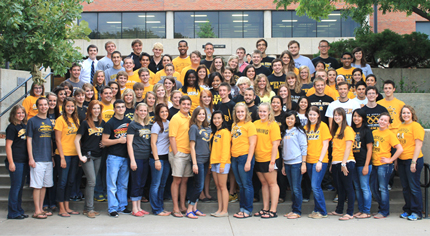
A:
<point x="161" y="95"/>
<point x="130" y="99"/>
<point x="263" y="89"/>
<point x="29" y="103"/>
<point x="305" y="78"/>
<point x="293" y="82"/>
<point x="99" y="81"/>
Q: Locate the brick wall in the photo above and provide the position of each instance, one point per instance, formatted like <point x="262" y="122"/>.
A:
<point x="397" y="22"/>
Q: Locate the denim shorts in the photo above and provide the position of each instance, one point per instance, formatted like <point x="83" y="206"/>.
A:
<point x="215" y="168"/>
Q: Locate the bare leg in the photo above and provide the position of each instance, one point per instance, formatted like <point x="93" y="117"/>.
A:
<point x="274" y="189"/>
<point x="222" y="181"/>
<point x="183" y="193"/>
<point x="232" y="182"/>
<point x="218" y="192"/>
<point x="175" y="192"/>
<point x="264" y="191"/>
<point x="207" y="185"/>
<point x="36" y="199"/>
<point x="135" y="206"/>
<point x="62" y="208"/>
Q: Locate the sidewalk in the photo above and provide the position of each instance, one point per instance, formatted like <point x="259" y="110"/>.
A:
<point x="157" y="225"/>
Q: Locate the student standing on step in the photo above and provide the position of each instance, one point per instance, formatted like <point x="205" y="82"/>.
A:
<point x="39" y="147"/>
<point x="29" y="103"/>
<point x="16" y="160"/>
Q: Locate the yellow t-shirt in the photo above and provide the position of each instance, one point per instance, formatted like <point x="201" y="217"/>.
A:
<point x="240" y="132"/>
<point x="162" y="73"/>
<point x="107" y="112"/>
<point x="29" y="104"/>
<point x="348" y="74"/>
<point x="315" y="143"/>
<point x="267" y="98"/>
<point x="178" y="128"/>
<point x="407" y="134"/>
<point x="339" y="145"/>
<point x="394" y="107"/>
<point x="333" y="86"/>
<point x="184" y="71"/>
<point x="147" y="89"/>
<point x="132" y="79"/>
<point x="180" y="63"/>
<point x="68" y="135"/>
<point x="327" y="91"/>
<point x="194" y="94"/>
<point x="221" y="145"/>
<point x="266" y="134"/>
<point x="383" y="141"/>
<point x="151" y="76"/>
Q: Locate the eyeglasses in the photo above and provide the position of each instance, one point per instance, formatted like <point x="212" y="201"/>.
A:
<point x="38" y="88"/>
<point x="261" y="44"/>
<point x="347" y="59"/>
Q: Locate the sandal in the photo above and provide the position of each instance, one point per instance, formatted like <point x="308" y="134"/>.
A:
<point x="269" y="214"/>
<point x="39" y="216"/>
<point x="357" y="214"/>
<point x="346" y="217"/>
<point x="261" y="212"/>
<point x="286" y="215"/>
<point x="294" y="216"/>
<point x="334" y="213"/>
<point x="64" y="214"/>
<point x="47" y="213"/>
<point x="177" y="214"/>
<point x="144" y="199"/>
<point x="191" y="215"/>
<point x="363" y="216"/>
<point x="164" y="213"/>
<point x="74" y="213"/>
<point x="138" y="214"/>
<point x="199" y="213"/>
<point x="144" y="212"/>
<point x="242" y="215"/>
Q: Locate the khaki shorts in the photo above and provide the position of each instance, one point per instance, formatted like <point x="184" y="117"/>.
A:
<point x="181" y="164"/>
<point x="42" y="175"/>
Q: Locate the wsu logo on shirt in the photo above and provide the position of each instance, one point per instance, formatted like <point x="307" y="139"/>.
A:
<point x="145" y="133"/>
<point x="236" y="132"/>
<point x="121" y="131"/>
<point x="45" y="130"/>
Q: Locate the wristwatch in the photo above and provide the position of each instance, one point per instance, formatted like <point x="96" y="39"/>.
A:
<point x="343" y="165"/>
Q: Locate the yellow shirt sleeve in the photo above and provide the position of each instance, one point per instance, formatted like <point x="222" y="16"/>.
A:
<point x="226" y="146"/>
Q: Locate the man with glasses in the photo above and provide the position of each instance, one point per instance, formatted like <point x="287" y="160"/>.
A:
<point x="347" y="69"/>
<point x="330" y="62"/>
<point x="266" y="61"/>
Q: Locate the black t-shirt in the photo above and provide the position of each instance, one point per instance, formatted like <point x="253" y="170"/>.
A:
<point x="206" y="63"/>
<point x="373" y="115"/>
<point x="293" y="107"/>
<point x="295" y="96"/>
<point x="254" y="113"/>
<point x="267" y="62"/>
<point x="155" y="67"/>
<point x="151" y="117"/>
<point x="240" y="98"/>
<point x="82" y="113"/>
<point x="172" y="112"/>
<point x="359" y="148"/>
<point x="18" y="134"/>
<point x="129" y="113"/>
<point x="322" y="103"/>
<point x="41" y="130"/>
<point x="216" y="97"/>
<point x="329" y="62"/>
<point x="280" y="118"/>
<point x="141" y="140"/>
<point x="136" y="60"/>
<point x="306" y="87"/>
<point x="227" y="110"/>
<point x="276" y="81"/>
<point x="86" y="104"/>
<point x="262" y="70"/>
<point x="91" y="138"/>
<point x="117" y="129"/>
<point x="380" y="97"/>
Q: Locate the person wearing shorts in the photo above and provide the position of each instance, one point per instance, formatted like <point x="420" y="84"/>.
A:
<point x="39" y="147"/>
<point x="179" y="155"/>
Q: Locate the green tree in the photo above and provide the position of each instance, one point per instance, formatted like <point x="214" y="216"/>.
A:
<point x="40" y="32"/>
<point x="206" y="31"/>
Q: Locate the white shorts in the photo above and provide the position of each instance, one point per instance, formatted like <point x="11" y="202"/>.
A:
<point x="42" y="175"/>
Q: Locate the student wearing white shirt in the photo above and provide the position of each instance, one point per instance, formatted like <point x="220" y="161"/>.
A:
<point x="360" y="90"/>
<point x="348" y="105"/>
<point x="89" y="66"/>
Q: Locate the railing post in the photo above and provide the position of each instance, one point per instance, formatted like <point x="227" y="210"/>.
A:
<point x="25" y="89"/>
<point x="426" y="194"/>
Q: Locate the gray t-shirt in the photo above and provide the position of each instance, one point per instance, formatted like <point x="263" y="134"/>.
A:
<point x="104" y="64"/>
<point x="111" y="74"/>
<point x="40" y="130"/>
<point x="201" y="137"/>
<point x="76" y="85"/>
<point x="303" y="61"/>
<point x="163" y="141"/>
<point x="141" y="140"/>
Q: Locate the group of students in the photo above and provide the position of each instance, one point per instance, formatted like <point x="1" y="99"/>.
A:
<point x="244" y="124"/>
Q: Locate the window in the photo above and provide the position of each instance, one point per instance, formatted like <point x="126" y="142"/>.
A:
<point x="288" y="24"/>
<point x="118" y="25"/>
<point x="222" y="24"/>
<point x="423" y="27"/>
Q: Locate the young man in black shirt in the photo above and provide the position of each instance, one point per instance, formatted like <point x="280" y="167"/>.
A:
<point x="330" y="62"/>
<point x="265" y="60"/>
<point x="114" y="138"/>
<point x="373" y="110"/>
<point x="320" y="99"/>
<point x="136" y="45"/>
<point x="249" y="101"/>
<point x="278" y="77"/>
<point x="209" y="51"/>
<point x="226" y="105"/>
<point x="256" y="61"/>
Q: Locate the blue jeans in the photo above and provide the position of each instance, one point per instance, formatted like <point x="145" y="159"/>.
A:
<point x="379" y="186"/>
<point x="344" y="187"/>
<point x="411" y="185"/>
<point x="316" y="179"/>
<point x="17" y="180"/>
<point x="244" y="180"/>
<point x="294" y="175"/>
<point x="156" y="191"/>
<point x="66" y="178"/>
<point x="138" y="179"/>
<point x="117" y="172"/>
<point x="362" y="189"/>
<point x="199" y="183"/>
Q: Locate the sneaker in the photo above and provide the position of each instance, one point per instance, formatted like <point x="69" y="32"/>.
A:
<point x="233" y="198"/>
<point x="305" y="200"/>
<point x="100" y="198"/>
<point x="318" y="215"/>
<point x="389" y="187"/>
<point x="85" y="212"/>
<point x="414" y="217"/>
<point x="404" y="215"/>
<point x="312" y="214"/>
<point x="125" y="211"/>
<point x="114" y="214"/>
<point x="336" y="199"/>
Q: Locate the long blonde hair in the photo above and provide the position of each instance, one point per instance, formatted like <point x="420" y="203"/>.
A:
<point x="127" y="91"/>
<point x="308" y="80"/>
<point x="247" y="116"/>
<point x="271" y="117"/>
<point x="297" y="84"/>
<point x="137" y="119"/>
<point x="267" y="89"/>
<point x="165" y="98"/>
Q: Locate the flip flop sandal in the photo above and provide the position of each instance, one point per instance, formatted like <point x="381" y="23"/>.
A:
<point x="269" y="215"/>
<point x="346" y="217"/>
<point x="39" y="216"/>
<point x="199" y="213"/>
<point x="334" y="213"/>
<point x="64" y="214"/>
<point x="260" y="213"/>
<point x="242" y="216"/>
<point x="138" y="214"/>
<point x="74" y="213"/>
<point x="177" y="214"/>
<point x="363" y="216"/>
<point x="47" y="213"/>
<point x="294" y="216"/>
<point x="144" y="212"/>
<point x="191" y="215"/>
<point x="286" y="215"/>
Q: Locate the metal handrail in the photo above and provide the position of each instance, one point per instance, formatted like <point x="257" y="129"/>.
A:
<point x="18" y="100"/>
<point x="426" y="186"/>
<point x="19" y="86"/>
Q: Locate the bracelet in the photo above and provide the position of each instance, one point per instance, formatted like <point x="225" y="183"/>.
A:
<point x="272" y="163"/>
<point x="319" y="161"/>
<point x="157" y="160"/>
<point x="413" y="162"/>
<point x="303" y="161"/>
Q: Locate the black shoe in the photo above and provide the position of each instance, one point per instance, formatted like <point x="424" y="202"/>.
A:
<point x="114" y="214"/>
<point x="25" y="216"/>
<point x="125" y="211"/>
<point x="21" y="217"/>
